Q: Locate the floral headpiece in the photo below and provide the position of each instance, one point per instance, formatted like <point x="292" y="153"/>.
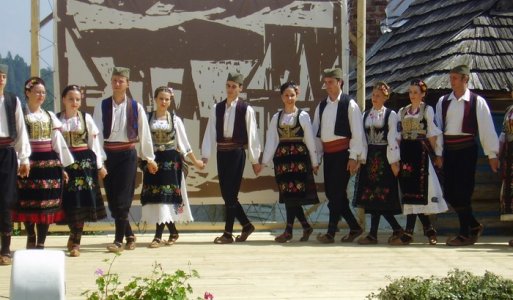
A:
<point x="165" y="89"/>
<point x="421" y="84"/>
<point x="32" y="81"/>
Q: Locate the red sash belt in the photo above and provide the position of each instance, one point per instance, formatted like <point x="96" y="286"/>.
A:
<point x="6" y="143"/>
<point x="118" y="146"/>
<point x="228" y="145"/>
<point x="458" y="142"/>
<point x="335" y="146"/>
<point x="77" y="149"/>
<point x="45" y="146"/>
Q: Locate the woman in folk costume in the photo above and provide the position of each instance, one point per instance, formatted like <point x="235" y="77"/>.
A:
<point x="81" y="200"/>
<point x="506" y="159"/>
<point x="376" y="188"/>
<point x="164" y="194"/>
<point x="39" y="201"/>
<point x="421" y="151"/>
<point x="290" y="144"/>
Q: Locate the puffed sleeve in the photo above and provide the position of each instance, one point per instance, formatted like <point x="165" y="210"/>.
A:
<point x="59" y="144"/>
<point x="355" y="121"/>
<point x="271" y="140"/>
<point x="145" y="142"/>
<point x="22" y="143"/>
<point x="182" y="140"/>
<point x="309" y="140"/>
<point x="93" y="141"/>
<point x="433" y="130"/>
<point x="393" y="152"/>
<point x="254" y="147"/>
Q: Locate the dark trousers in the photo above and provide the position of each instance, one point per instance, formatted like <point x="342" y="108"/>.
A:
<point x="119" y="188"/>
<point x="230" y="167"/>
<point x="459" y="173"/>
<point x="336" y="178"/>
<point x="8" y="195"/>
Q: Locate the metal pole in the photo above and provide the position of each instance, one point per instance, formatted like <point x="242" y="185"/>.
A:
<point x="34" y="37"/>
<point x="361" y="45"/>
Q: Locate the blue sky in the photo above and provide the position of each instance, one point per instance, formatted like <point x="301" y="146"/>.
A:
<point x="15" y="30"/>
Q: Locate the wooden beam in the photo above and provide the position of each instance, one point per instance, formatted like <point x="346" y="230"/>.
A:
<point x="34" y="38"/>
<point x="361" y="45"/>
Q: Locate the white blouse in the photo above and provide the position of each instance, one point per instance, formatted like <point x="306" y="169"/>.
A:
<point x="432" y="129"/>
<point x="93" y="142"/>
<point x="273" y="139"/>
<point x="376" y="118"/>
<point x="58" y="142"/>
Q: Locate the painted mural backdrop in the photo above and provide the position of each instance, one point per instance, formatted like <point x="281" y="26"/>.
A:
<point x="191" y="45"/>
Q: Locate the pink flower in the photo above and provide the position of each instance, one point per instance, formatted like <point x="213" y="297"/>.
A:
<point x="98" y="272"/>
<point x="208" y="296"/>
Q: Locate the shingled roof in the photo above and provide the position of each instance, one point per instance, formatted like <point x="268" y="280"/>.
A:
<point x="440" y="34"/>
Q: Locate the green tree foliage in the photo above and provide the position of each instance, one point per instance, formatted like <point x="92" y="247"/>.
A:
<point x="19" y="72"/>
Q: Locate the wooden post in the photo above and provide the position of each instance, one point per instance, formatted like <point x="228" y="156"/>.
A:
<point x="34" y="37"/>
<point x="360" y="45"/>
<point x="344" y="59"/>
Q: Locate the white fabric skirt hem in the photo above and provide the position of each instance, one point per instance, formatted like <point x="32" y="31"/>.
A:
<point x="434" y="192"/>
<point x="165" y="213"/>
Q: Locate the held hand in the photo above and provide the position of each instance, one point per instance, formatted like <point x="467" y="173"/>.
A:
<point x="152" y="166"/>
<point x="257" y="168"/>
<point x="315" y="169"/>
<point x="395" y="168"/>
<point x="102" y="172"/>
<point x="65" y="177"/>
<point x="24" y="170"/>
<point x="439" y="162"/>
<point x="494" y="164"/>
<point x="199" y="164"/>
<point x="353" y="166"/>
<point x="205" y="161"/>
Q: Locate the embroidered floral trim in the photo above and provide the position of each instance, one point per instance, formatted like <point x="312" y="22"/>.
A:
<point x="376" y="168"/>
<point x="375" y="194"/>
<point x="39" y="184"/>
<point x="169" y="189"/>
<point x="290" y="150"/>
<point x="82" y="165"/>
<point x="170" y="165"/>
<point x="40" y="203"/>
<point x="81" y="184"/>
<point x="51" y="163"/>
<point x="293" y="167"/>
<point x="406" y="170"/>
<point x="292" y="187"/>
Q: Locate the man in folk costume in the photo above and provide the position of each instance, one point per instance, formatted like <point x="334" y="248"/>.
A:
<point x="14" y="146"/>
<point x="338" y="125"/>
<point x="232" y="126"/>
<point x="123" y="125"/>
<point x="462" y="115"/>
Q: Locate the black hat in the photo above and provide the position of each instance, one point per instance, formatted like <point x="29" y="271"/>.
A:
<point x="121" y="71"/>
<point x="461" y="69"/>
<point x="236" y="77"/>
<point x="4" y="68"/>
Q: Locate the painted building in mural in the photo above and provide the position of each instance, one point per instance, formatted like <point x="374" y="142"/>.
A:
<point x="191" y="46"/>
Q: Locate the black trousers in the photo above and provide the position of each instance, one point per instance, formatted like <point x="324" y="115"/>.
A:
<point x="459" y="173"/>
<point x="120" y="182"/>
<point x="230" y="168"/>
<point x="336" y="177"/>
<point x="8" y="195"/>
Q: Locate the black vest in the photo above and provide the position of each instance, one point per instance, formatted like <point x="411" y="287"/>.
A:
<point x="132" y="118"/>
<point x="384" y="129"/>
<point x="10" y="109"/>
<point x="240" y="132"/>
<point x="469" y="124"/>
<point x="342" y="127"/>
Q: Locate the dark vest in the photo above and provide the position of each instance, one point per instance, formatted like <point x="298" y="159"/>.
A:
<point x="294" y="132"/>
<point x="240" y="132"/>
<point x="469" y="124"/>
<point x="384" y="129"/>
<point x="342" y="127"/>
<point x="79" y="138"/>
<point x="10" y="108"/>
<point x="132" y="118"/>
